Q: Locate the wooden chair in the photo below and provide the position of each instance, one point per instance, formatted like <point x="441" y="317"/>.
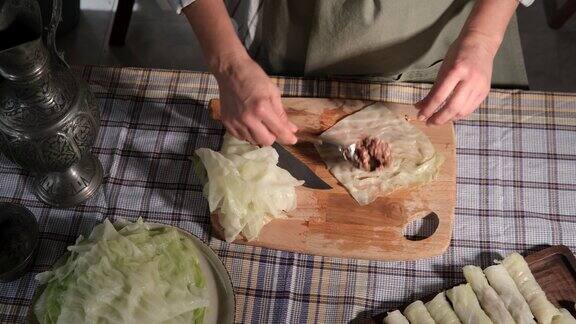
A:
<point x="121" y="22"/>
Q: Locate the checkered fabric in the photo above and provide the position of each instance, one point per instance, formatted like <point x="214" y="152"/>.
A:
<point x="516" y="191"/>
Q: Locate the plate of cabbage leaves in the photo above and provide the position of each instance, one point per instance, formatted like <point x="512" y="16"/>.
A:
<point x="135" y="272"/>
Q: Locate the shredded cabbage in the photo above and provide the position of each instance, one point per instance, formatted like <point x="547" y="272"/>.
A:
<point x="130" y="273"/>
<point x="247" y="185"/>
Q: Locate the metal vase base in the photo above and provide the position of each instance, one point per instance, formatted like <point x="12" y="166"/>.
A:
<point x="71" y="187"/>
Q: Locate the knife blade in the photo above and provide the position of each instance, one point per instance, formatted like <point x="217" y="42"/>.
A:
<point x="298" y="169"/>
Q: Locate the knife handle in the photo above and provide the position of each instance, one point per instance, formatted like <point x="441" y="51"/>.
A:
<point x="308" y="138"/>
<point x="215" y="106"/>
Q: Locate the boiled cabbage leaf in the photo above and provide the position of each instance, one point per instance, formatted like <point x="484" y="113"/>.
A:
<point x="248" y="187"/>
<point x="125" y="273"/>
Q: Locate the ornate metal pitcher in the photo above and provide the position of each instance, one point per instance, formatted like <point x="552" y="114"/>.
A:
<point x="48" y="117"/>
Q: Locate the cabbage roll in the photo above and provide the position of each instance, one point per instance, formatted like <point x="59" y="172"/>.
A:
<point x="395" y="317"/>
<point x="466" y="305"/>
<point x="504" y="285"/>
<point x="540" y="306"/>
<point x="487" y="296"/>
<point x="417" y="313"/>
<point x="441" y="311"/>
<point x="564" y="318"/>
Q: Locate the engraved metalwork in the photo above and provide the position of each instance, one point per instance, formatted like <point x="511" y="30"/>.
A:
<point x="48" y="117"/>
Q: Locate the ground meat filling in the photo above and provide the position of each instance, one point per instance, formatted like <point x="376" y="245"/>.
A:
<point x="371" y="154"/>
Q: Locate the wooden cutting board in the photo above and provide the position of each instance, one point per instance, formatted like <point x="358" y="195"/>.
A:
<point x="331" y="223"/>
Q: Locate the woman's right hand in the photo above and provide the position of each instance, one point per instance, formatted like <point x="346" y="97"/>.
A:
<point x="251" y="107"/>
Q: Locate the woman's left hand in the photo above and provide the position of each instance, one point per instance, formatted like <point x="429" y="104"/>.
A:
<point x="463" y="81"/>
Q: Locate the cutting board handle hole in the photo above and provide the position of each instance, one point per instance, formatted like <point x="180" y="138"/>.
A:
<point x="421" y="228"/>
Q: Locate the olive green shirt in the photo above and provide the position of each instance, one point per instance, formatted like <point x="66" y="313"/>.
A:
<point x="388" y="40"/>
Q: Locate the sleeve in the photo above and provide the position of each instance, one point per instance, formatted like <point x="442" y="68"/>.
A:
<point x="179" y="4"/>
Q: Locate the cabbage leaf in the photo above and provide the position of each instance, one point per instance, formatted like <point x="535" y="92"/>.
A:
<point x="125" y="273"/>
<point x="247" y="186"/>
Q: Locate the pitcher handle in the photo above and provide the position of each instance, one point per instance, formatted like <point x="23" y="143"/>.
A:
<point x="50" y="29"/>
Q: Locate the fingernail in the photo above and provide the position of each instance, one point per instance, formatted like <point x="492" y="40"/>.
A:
<point x="421" y="118"/>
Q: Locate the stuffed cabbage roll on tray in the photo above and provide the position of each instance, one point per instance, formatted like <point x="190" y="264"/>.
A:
<point x="504" y="285"/>
<point x="417" y="313"/>
<point x="441" y="310"/>
<point x="466" y="305"/>
<point x="487" y="296"/>
<point x="540" y="306"/>
<point x="395" y="317"/>
<point x="564" y="318"/>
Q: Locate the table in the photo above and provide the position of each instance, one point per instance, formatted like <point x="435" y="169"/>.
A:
<point x="516" y="191"/>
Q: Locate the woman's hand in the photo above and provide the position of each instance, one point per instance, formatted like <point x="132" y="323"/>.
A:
<point x="463" y="81"/>
<point x="251" y="107"/>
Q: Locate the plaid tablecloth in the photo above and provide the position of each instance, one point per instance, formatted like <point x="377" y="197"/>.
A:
<point x="516" y="191"/>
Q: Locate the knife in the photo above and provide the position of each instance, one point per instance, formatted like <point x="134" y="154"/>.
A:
<point x="286" y="160"/>
<point x="298" y="169"/>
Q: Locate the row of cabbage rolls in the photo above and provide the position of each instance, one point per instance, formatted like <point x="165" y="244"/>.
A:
<point x="504" y="293"/>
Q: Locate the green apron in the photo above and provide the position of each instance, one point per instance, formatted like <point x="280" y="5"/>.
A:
<point x="387" y="40"/>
